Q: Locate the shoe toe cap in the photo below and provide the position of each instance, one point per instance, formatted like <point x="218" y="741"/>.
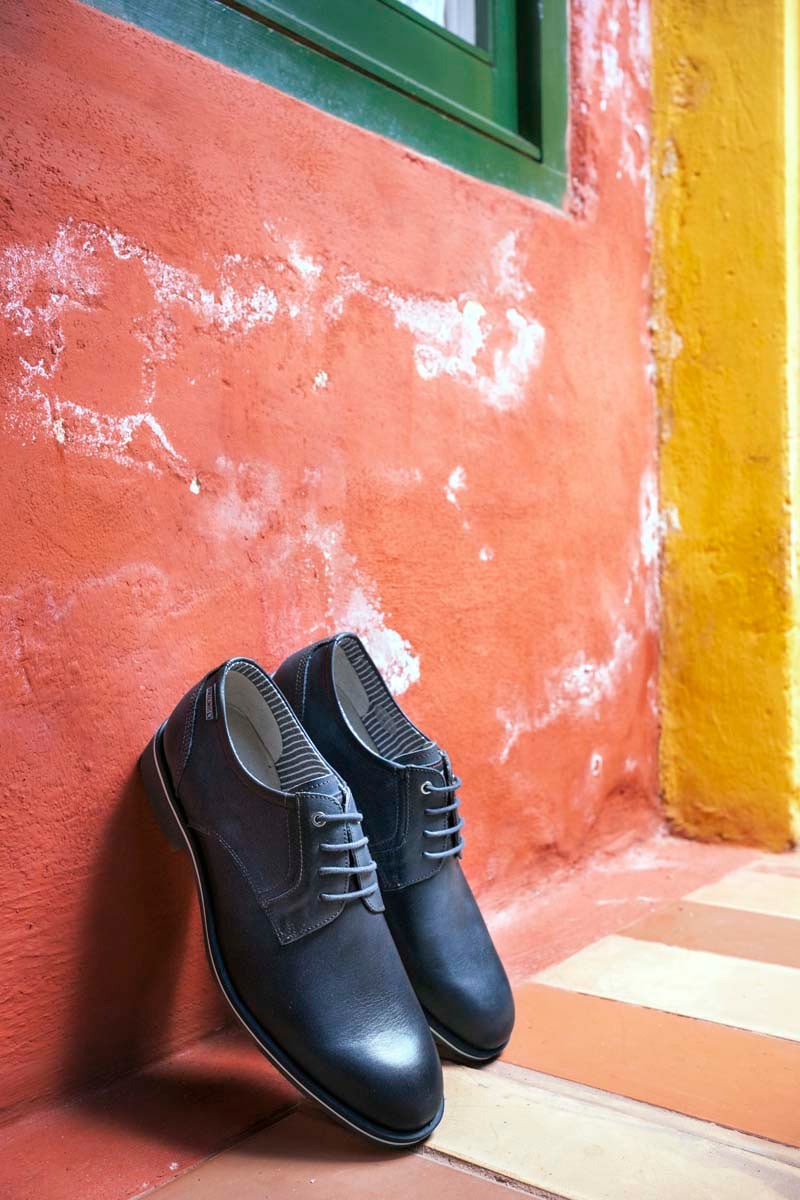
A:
<point x="402" y="1077"/>
<point x="478" y="1009"/>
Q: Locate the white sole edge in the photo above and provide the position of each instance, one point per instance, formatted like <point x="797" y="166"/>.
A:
<point x="457" y="1049"/>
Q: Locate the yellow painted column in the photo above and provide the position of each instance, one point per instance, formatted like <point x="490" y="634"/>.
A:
<point x="726" y="337"/>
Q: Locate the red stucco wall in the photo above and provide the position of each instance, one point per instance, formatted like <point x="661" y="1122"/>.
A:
<point x="265" y="375"/>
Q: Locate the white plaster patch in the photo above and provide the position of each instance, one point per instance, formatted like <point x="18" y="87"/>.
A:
<point x="456" y="483"/>
<point x="223" y="305"/>
<point x="651" y="536"/>
<point x="575" y="690"/>
<point x="403" y="476"/>
<point x="640" y="41"/>
<point x="671" y="520"/>
<point x="194" y="486"/>
<point x="579" y="687"/>
<point x="457" y="338"/>
<point x="353" y="603"/>
<point x="669" y="159"/>
<point x="102" y="435"/>
<point x="596" y="764"/>
<point x="494" y="354"/>
<point x="514" y="363"/>
<point x="672" y="344"/>
<point x="612" y="74"/>
<point x="486" y="554"/>
<point x="615" y="70"/>
<point x="41" y="283"/>
<point x="308" y="268"/>
<point x="248" y="493"/>
<point x="448" y="336"/>
<point x="649" y="519"/>
<point x="652" y="695"/>
<point x="516" y="721"/>
<point x="509" y="281"/>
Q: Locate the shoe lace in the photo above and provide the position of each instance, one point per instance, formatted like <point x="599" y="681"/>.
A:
<point x="321" y="819"/>
<point x="454" y="830"/>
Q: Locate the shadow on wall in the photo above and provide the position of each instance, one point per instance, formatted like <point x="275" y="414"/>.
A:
<point x="140" y="925"/>
<point x="133" y="939"/>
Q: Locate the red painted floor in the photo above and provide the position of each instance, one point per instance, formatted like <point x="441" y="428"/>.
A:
<point x="145" y="1129"/>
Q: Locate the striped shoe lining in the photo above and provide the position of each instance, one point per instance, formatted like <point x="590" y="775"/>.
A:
<point x="390" y="729"/>
<point x="300" y="762"/>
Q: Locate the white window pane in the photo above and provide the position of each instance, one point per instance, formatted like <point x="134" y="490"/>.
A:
<point x="432" y="9"/>
<point x="459" y="16"/>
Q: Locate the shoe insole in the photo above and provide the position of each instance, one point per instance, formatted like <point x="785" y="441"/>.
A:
<point x="352" y="696"/>
<point x="251" y="749"/>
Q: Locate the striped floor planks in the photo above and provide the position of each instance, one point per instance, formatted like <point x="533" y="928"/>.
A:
<point x="661" y="1062"/>
<point x="575" y="1143"/>
<point x="754" y="891"/>
<point x="732" y="1077"/>
<point x="763" y="997"/>
<point x="695" y="1008"/>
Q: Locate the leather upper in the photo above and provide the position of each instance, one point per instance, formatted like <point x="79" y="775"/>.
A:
<point x="433" y="916"/>
<point x="324" y="979"/>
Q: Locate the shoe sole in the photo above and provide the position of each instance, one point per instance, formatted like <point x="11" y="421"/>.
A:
<point x="456" y="1050"/>
<point x="155" y="775"/>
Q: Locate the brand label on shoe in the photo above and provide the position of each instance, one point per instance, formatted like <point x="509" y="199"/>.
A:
<point x="211" y="702"/>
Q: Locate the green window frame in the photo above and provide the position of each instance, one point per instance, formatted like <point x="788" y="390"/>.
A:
<point x="496" y="110"/>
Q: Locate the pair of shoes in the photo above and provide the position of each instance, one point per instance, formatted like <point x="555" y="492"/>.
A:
<point x="324" y="833"/>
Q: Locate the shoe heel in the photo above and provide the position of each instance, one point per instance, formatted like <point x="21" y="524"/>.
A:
<point x="155" y="784"/>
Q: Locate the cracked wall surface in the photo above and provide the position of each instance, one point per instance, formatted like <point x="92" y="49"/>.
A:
<point x="267" y="375"/>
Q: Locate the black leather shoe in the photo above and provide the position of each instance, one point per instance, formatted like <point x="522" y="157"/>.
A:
<point x="403" y="784"/>
<point x="292" y="911"/>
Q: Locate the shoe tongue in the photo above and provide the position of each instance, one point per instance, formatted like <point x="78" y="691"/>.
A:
<point x="429" y="756"/>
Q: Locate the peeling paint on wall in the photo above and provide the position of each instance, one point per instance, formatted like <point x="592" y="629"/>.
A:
<point x="236" y="388"/>
<point x="354" y="604"/>
<point x="615" y="69"/>
<point x="40" y="283"/>
<point x="508" y="271"/>
<point x="575" y="690"/>
<point x="456" y="483"/>
<point x="496" y="356"/>
<point x="581" y="685"/>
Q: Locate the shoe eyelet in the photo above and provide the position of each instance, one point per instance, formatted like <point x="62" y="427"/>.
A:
<point x="319" y="819"/>
<point x="426" y="788"/>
